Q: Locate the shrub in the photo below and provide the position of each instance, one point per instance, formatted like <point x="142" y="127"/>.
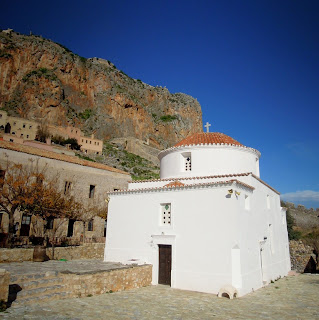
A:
<point x="168" y="118"/>
<point x="86" y="114"/>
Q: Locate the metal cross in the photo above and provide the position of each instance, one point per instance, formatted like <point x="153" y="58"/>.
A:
<point x="207" y="125"/>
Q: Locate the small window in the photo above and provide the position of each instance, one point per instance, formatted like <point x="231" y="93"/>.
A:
<point x="90" y="225"/>
<point x="90" y="142"/>
<point x="187" y="161"/>
<point x="92" y="190"/>
<point x="86" y="141"/>
<point x="97" y="152"/>
<point x="13" y="133"/>
<point x="268" y="201"/>
<point x="166" y="214"/>
<point x="50" y="222"/>
<point x="23" y="126"/>
<point x="82" y="140"/>
<point x="11" y="140"/>
<point x="21" y="135"/>
<point x="116" y="189"/>
<point x="14" y="123"/>
<point x="247" y="202"/>
<point x="30" y="127"/>
<point x="27" y="136"/>
<point x="67" y="187"/>
<point x="98" y="143"/>
<point x="0" y="115"/>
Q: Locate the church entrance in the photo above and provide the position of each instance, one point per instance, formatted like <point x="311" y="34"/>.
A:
<point x="165" y="264"/>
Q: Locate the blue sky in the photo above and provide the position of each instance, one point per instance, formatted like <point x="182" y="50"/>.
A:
<point x="252" y="65"/>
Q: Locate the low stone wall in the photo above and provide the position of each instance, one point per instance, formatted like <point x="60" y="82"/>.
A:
<point x="300" y="254"/>
<point x="4" y="285"/>
<point x="16" y="255"/>
<point x="86" y="251"/>
<point x="83" y="285"/>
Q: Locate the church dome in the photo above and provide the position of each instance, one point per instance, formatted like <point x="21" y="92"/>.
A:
<point x="208" y="154"/>
<point x="208" y="138"/>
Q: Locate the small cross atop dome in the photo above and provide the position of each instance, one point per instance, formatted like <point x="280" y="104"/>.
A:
<point x="207" y="125"/>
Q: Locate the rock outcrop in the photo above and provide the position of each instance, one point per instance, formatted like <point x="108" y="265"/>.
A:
<point x="43" y="80"/>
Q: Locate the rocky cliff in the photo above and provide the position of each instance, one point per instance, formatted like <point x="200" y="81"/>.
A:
<point x="40" y="79"/>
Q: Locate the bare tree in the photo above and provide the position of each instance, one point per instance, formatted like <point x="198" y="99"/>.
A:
<point x="29" y="190"/>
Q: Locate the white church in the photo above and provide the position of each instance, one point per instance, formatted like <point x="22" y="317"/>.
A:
<point x="209" y="224"/>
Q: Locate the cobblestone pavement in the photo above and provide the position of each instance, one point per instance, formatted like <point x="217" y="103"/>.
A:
<point x="288" y="298"/>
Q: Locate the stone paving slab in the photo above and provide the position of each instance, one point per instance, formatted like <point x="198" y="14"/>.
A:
<point x="288" y="298"/>
<point x="74" y="266"/>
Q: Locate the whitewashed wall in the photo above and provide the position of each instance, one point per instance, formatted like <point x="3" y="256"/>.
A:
<point x="216" y="238"/>
<point x="209" y="160"/>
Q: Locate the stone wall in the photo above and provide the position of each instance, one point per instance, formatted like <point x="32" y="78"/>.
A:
<point x="300" y="254"/>
<point x="86" y="251"/>
<point x="4" y="285"/>
<point x="16" y="255"/>
<point x="83" y="285"/>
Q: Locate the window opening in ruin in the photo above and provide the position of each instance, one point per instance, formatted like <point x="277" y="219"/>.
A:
<point x="70" y="227"/>
<point x="25" y="225"/>
<point x="92" y="190"/>
<point x="2" y="174"/>
<point x="7" y="128"/>
<point x="50" y="222"/>
<point x="90" y="225"/>
<point x="166" y="214"/>
<point x="67" y="187"/>
<point x="23" y="126"/>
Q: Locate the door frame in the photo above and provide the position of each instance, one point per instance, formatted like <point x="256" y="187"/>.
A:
<point x="168" y="272"/>
<point x="163" y="240"/>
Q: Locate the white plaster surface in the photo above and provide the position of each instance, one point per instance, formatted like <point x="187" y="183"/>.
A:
<point x="219" y="238"/>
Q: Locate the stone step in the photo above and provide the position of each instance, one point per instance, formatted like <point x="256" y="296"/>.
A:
<point x="20" y="278"/>
<point x="38" y="292"/>
<point x="43" y="282"/>
<point x="40" y="299"/>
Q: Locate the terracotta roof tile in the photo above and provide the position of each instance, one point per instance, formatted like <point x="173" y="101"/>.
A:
<point x="56" y="156"/>
<point x="208" y="138"/>
<point x="187" y="186"/>
<point x="174" y="184"/>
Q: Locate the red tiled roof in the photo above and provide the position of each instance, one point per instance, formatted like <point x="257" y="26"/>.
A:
<point x="174" y="184"/>
<point x="210" y="177"/>
<point x="187" y="186"/>
<point x="208" y="138"/>
<point x="56" y="156"/>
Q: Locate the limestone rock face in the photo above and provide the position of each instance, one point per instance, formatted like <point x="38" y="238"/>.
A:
<point x="42" y="80"/>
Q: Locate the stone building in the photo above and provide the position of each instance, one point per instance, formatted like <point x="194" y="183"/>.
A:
<point x="210" y="224"/>
<point x="88" y="181"/>
<point x="19" y="130"/>
<point x="88" y="144"/>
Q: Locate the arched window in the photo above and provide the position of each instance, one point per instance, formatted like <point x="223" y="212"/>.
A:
<point x="90" y="225"/>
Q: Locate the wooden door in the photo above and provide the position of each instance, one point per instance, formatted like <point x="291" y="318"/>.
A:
<point x="165" y="264"/>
